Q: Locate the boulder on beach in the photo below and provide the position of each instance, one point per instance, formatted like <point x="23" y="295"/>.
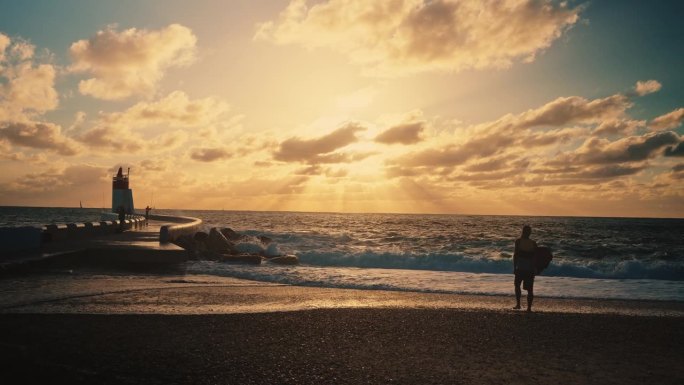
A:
<point x="217" y="241"/>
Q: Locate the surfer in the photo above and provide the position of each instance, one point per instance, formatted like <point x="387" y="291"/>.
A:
<point x="524" y="266"/>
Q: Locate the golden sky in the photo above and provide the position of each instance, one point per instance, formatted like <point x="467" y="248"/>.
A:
<point x="444" y="106"/>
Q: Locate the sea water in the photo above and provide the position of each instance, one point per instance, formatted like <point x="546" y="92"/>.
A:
<point x="607" y="258"/>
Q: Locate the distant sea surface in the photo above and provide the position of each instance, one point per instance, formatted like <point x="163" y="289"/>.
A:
<point x="618" y="258"/>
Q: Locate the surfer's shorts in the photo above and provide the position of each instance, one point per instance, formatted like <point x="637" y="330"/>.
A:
<point x="527" y="279"/>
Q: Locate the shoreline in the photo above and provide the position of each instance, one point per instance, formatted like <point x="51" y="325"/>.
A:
<point x="179" y="293"/>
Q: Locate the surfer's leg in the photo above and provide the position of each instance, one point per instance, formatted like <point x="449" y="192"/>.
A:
<point x="530" y="294"/>
<point x="518" y="293"/>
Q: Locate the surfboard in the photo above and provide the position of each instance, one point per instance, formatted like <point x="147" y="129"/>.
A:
<point x="542" y="258"/>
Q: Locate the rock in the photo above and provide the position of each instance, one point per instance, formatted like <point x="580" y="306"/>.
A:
<point x="264" y="240"/>
<point x="199" y="243"/>
<point x="200" y="236"/>
<point x="217" y="242"/>
<point x="186" y="242"/>
<point x="230" y="234"/>
<point x="285" y="260"/>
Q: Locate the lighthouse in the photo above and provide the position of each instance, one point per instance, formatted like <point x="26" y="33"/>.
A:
<point x="122" y="195"/>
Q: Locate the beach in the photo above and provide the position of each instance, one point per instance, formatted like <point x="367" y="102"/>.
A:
<point x="166" y="328"/>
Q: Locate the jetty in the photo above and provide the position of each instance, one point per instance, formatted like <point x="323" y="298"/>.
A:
<point x="145" y="243"/>
<point x="123" y="237"/>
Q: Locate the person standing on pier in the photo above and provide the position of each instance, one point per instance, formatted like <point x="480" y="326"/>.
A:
<point x="122" y="218"/>
<point x="524" y="266"/>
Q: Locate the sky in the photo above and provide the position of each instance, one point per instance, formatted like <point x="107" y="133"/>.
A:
<point x="501" y="107"/>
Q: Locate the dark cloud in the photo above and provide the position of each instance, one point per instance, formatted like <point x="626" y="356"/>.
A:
<point x="39" y="135"/>
<point x="108" y="137"/>
<point x="677" y="150"/>
<point x="632" y="149"/>
<point x="677" y="171"/>
<point x="319" y="150"/>
<point x="608" y="172"/>
<point x="210" y="154"/>
<point x="406" y="133"/>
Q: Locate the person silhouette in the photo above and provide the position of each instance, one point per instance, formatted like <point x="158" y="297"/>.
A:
<point x="524" y="266"/>
<point x="122" y="217"/>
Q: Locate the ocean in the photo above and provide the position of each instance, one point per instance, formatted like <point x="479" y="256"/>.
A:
<point x="603" y="258"/>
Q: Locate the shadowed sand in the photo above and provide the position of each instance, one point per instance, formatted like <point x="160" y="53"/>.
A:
<point x="206" y="330"/>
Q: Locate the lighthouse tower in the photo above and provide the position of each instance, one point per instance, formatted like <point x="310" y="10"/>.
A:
<point x="121" y="194"/>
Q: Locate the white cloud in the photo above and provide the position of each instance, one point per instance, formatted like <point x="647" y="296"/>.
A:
<point x="26" y="88"/>
<point x="130" y="62"/>
<point x="672" y="119"/>
<point x="4" y="43"/>
<point x="175" y="109"/>
<point x="120" y="130"/>
<point x="647" y="87"/>
<point x="404" y="36"/>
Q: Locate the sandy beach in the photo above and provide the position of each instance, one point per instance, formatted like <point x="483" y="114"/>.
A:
<point x="212" y="330"/>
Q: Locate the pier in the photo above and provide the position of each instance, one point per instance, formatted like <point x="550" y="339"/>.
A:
<point x="142" y="243"/>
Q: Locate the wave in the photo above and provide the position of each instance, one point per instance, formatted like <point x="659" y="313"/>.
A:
<point x="577" y="268"/>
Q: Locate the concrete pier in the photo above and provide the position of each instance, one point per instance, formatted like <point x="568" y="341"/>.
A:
<point x="98" y="244"/>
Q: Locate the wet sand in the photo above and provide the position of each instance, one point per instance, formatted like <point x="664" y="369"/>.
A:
<point x="212" y="330"/>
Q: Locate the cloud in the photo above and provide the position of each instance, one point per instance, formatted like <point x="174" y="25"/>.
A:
<point x="115" y="131"/>
<point x="668" y="121"/>
<point x="530" y="130"/>
<point x="26" y="88"/>
<point x="112" y="138"/>
<point x="210" y="154"/>
<point x="39" y="135"/>
<point x="677" y="150"/>
<point x="677" y="172"/>
<point x="619" y="127"/>
<point x="319" y="150"/>
<point x="574" y="109"/>
<point x="175" y="109"/>
<point x="405" y="36"/>
<point x="405" y="133"/>
<point x="647" y="87"/>
<point x="4" y="43"/>
<point x="630" y="149"/>
<point x="130" y="62"/>
<point x="76" y="178"/>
